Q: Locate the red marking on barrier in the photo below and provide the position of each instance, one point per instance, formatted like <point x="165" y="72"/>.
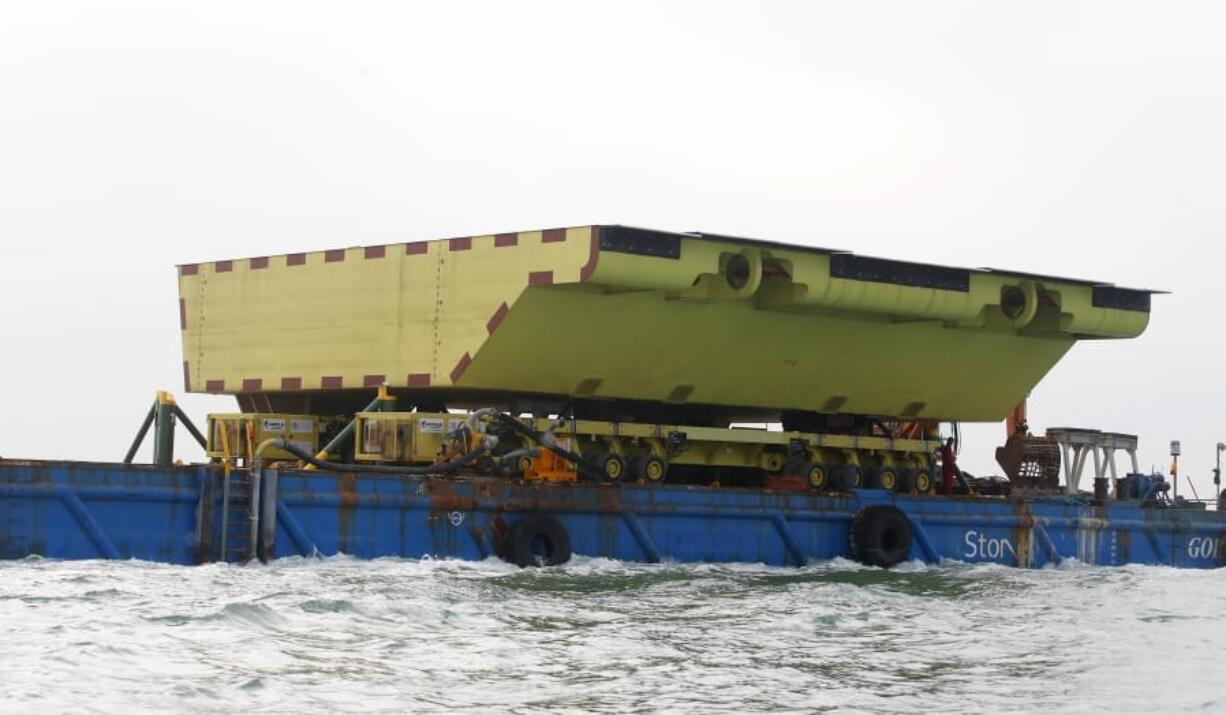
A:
<point x="291" y="383"/>
<point x="492" y="324"/>
<point x="214" y="385"/>
<point x="223" y="266"/>
<point x="415" y="249"/>
<point x="182" y="314"/>
<point x="590" y="267"/>
<point x="460" y="367"/>
<point x="460" y="244"/>
<point x="553" y="235"/>
<point x="373" y="380"/>
<point x="187" y="377"/>
<point x="258" y="263"/>
<point x="540" y="278"/>
<point x="253" y="384"/>
<point x="506" y="239"/>
<point x="786" y="483"/>
<point x="419" y="379"/>
<point x="295" y="259"/>
<point x="190" y="269"/>
<point x="335" y="255"/>
<point x="331" y="382"/>
<point x="375" y="251"/>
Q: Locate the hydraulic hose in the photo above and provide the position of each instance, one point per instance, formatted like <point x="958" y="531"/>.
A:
<point x="545" y="439"/>
<point x="444" y="468"/>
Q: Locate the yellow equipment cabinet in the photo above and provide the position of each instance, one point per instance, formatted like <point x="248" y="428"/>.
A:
<point x="670" y="324"/>
<point x="403" y="437"/>
<point x="239" y="435"/>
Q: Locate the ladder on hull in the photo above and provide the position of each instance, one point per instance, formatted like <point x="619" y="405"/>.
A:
<point x="239" y="515"/>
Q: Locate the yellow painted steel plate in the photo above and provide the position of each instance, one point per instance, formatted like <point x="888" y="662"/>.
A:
<point x="621" y="313"/>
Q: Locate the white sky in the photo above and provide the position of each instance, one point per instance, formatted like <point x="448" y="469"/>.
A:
<point x="1081" y="139"/>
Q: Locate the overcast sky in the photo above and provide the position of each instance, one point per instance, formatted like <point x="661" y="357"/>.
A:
<point x="1080" y="139"/>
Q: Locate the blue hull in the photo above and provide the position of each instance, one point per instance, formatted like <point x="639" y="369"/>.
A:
<point x="74" y="510"/>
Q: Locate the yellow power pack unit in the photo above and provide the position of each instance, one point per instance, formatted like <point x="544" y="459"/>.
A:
<point x="403" y="437"/>
<point x="228" y="434"/>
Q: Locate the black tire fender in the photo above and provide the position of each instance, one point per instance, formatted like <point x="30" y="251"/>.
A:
<point x="880" y="536"/>
<point x="538" y="540"/>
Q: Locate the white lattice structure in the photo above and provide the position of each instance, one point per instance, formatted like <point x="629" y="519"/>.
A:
<point x="1076" y="443"/>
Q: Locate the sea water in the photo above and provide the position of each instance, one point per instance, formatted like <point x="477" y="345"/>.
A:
<point x="340" y="634"/>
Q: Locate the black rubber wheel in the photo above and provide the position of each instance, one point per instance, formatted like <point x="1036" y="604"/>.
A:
<point x="880" y="536"/>
<point x="648" y="467"/>
<point x="850" y="477"/>
<point x="887" y="479"/>
<point x="815" y="474"/>
<point x="610" y="466"/>
<point x="923" y="481"/>
<point x="538" y="540"/>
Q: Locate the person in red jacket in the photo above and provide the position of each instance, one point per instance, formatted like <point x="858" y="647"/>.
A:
<point x="949" y="467"/>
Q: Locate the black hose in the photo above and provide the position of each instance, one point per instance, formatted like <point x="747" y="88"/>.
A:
<point x="444" y="468"/>
<point x="519" y="427"/>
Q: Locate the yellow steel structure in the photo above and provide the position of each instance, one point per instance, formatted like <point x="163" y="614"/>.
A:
<point x="420" y="438"/>
<point x="615" y="313"/>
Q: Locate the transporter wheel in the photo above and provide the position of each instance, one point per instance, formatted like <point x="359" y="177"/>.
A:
<point x="887" y="479"/>
<point x="850" y="477"/>
<point x="923" y="481"/>
<point x="523" y="464"/>
<point x="815" y="474"/>
<point x="880" y="536"/>
<point x="648" y="467"/>
<point x="487" y="465"/>
<point x="538" y="540"/>
<point x="610" y="466"/>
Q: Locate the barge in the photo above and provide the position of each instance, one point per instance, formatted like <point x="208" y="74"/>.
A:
<point x="615" y="392"/>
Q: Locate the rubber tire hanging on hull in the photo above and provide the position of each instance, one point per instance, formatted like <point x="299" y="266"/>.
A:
<point x="880" y="536"/>
<point x="538" y="540"/>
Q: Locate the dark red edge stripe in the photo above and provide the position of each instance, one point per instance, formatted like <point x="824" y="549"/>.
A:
<point x="258" y="263"/>
<point x="416" y="248"/>
<point x="496" y="319"/>
<point x="540" y="278"/>
<point x="373" y="380"/>
<point x="460" y="244"/>
<point x="182" y="314"/>
<point x="331" y="382"/>
<point x="189" y="269"/>
<point x="187" y="377"/>
<point x="460" y="367"/>
<point x="553" y="235"/>
<point x="419" y="379"/>
<point x="506" y="239"/>
<point x="214" y="385"/>
<point x="253" y="384"/>
<point x="374" y="252"/>
<point x="223" y="266"/>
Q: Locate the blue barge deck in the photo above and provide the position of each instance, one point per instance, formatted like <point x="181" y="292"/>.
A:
<point x="78" y="510"/>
